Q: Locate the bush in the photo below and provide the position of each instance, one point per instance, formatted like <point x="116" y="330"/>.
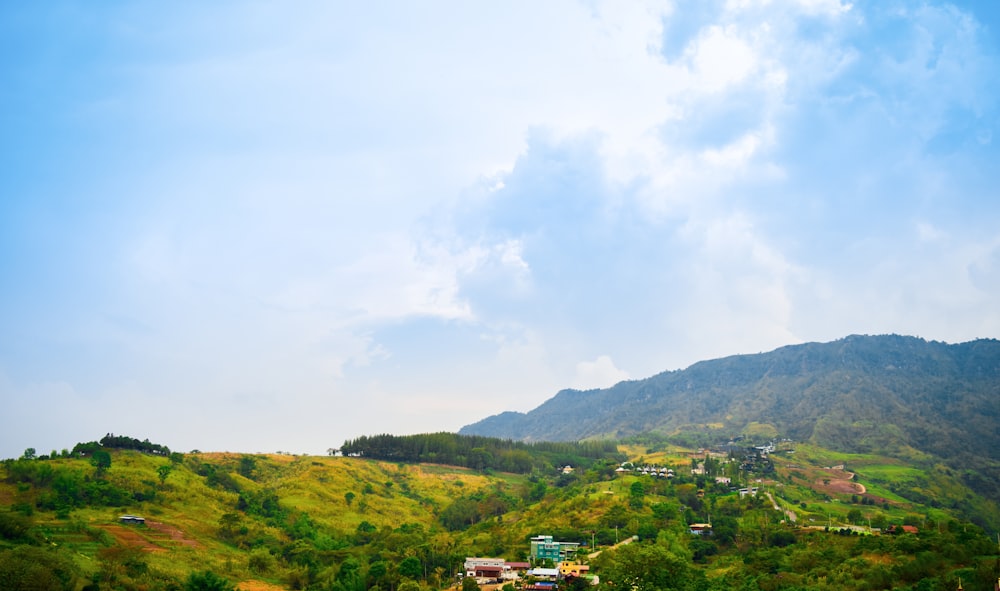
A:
<point x="260" y="561"/>
<point x="28" y="567"/>
<point x="782" y="538"/>
<point x="207" y="581"/>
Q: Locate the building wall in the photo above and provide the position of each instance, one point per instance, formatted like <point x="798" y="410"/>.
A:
<point x="545" y="548"/>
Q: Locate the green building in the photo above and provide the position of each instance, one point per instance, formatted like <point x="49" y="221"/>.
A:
<point x="545" y="548"/>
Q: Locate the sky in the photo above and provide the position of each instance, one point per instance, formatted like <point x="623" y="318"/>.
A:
<point x="272" y="226"/>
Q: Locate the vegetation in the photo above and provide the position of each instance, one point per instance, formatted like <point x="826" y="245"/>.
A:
<point x="335" y="523"/>
<point x="481" y="453"/>
<point x="918" y="401"/>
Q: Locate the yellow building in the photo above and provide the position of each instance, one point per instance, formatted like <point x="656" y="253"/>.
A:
<point x="569" y="568"/>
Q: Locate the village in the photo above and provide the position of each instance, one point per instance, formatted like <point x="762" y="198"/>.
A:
<point x="552" y="562"/>
<point x="544" y="551"/>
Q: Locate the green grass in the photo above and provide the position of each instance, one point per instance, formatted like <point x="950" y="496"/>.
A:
<point x="415" y="493"/>
<point x="890" y="472"/>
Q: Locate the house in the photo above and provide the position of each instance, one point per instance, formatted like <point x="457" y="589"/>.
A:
<point x="492" y="573"/>
<point x="567" y="469"/>
<point x="545" y="548"/>
<point x="513" y="570"/>
<point x="485" y="568"/>
<point x="700" y="529"/>
<point x="569" y="568"/>
<point x="132" y="520"/>
<point x="545" y="573"/>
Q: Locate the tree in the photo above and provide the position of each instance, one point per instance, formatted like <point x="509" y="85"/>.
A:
<point x="260" y="561"/>
<point x="29" y="454"/>
<point x="636" y="494"/>
<point x="207" y="581"/>
<point x="29" y="567"/>
<point x="229" y="525"/>
<point x="780" y="539"/>
<point x="102" y="461"/>
<point x="411" y="568"/>
<point x="470" y="584"/>
<point x="247" y="465"/>
<point x="724" y="530"/>
<point x="480" y="458"/>
<point x="644" y="567"/>
<point x="349" y="497"/>
<point x="572" y="583"/>
<point x="616" y="516"/>
<point x="164" y="471"/>
<point x="376" y="571"/>
<point x="459" y="515"/>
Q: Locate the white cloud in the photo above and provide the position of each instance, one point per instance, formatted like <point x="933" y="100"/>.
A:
<point x="385" y="213"/>
<point x="600" y="373"/>
<point x="721" y="59"/>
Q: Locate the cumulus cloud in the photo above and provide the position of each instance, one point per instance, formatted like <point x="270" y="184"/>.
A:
<point x="377" y="217"/>
<point x="599" y="373"/>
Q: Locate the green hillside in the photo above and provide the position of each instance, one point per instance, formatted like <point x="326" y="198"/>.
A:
<point x="915" y="400"/>
<point x="819" y="520"/>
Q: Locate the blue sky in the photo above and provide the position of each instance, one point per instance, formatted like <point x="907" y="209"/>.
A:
<point x="270" y="227"/>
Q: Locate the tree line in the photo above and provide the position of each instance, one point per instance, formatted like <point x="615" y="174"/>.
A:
<point x="481" y="453"/>
<point x="113" y="441"/>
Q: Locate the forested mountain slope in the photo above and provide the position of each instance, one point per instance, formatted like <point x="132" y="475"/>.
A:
<point x="896" y="395"/>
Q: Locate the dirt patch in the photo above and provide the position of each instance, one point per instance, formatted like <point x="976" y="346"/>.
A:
<point x="876" y="499"/>
<point x="840" y="487"/>
<point x="259" y="586"/>
<point x="128" y="536"/>
<point x="839" y="481"/>
<point x="134" y="537"/>
<point x="174" y="533"/>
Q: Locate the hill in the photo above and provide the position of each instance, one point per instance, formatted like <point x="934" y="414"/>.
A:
<point x="895" y="395"/>
<point x="813" y="519"/>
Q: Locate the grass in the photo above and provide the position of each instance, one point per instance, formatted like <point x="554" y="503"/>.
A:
<point x="414" y="493"/>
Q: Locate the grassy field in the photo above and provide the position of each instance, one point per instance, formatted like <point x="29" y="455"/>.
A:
<point x="190" y="508"/>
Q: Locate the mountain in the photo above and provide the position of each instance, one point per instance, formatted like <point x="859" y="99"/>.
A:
<point x="895" y="395"/>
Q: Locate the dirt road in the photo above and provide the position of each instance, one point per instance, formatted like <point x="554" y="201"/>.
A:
<point x="788" y="512"/>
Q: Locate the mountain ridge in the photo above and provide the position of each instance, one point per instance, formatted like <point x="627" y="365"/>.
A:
<point x="899" y="395"/>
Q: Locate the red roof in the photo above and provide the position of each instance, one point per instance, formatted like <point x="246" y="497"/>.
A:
<point x="909" y="529"/>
